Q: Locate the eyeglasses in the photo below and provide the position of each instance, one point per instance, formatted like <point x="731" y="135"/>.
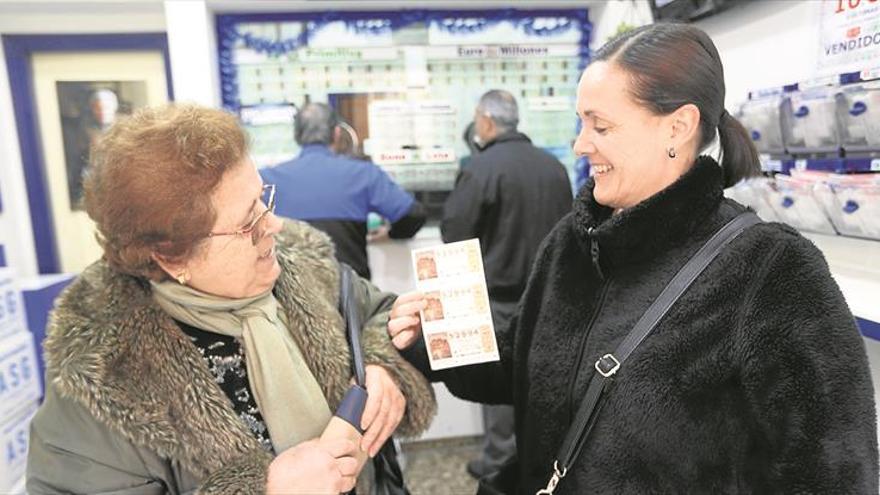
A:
<point x="257" y="227"/>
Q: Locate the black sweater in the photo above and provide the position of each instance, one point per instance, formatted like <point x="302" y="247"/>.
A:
<point x="756" y="381"/>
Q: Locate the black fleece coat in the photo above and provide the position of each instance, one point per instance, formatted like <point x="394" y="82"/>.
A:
<point x="756" y="381"/>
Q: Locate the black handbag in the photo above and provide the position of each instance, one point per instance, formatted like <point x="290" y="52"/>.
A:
<point x="388" y="477"/>
<point x="505" y="482"/>
<point x="501" y="482"/>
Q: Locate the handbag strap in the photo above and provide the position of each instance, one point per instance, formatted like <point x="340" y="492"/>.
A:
<point x="349" y="310"/>
<point x="388" y="476"/>
<point x="609" y="364"/>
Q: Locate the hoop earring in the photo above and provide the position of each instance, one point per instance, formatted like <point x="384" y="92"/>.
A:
<point x="670" y="152"/>
<point x="182" y="278"/>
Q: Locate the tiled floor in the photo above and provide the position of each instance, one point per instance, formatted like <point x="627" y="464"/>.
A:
<point x="437" y="467"/>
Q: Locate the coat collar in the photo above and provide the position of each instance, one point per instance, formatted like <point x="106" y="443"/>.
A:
<point x="507" y="137"/>
<point x="113" y="350"/>
<point x="653" y="226"/>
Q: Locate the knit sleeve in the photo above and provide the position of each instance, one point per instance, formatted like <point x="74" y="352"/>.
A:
<point x="421" y="406"/>
<point x="806" y="379"/>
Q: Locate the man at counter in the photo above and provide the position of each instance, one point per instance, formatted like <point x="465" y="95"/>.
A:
<point x="510" y="196"/>
<point x="335" y="193"/>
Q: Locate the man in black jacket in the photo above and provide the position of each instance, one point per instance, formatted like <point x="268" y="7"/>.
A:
<point x="509" y="197"/>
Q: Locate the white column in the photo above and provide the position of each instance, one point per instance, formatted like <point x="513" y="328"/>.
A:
<point x="16" y="233"/>
<point x="193" y="50"/>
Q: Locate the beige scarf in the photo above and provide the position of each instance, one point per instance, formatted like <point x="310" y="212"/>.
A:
<point x="288" y="395"/>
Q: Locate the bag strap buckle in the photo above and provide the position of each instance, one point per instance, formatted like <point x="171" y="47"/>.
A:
<point x="554" y="480"/>
<point x="607" y="365"/>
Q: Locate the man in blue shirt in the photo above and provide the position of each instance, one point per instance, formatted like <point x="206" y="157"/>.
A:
<point x="336" y="193"/>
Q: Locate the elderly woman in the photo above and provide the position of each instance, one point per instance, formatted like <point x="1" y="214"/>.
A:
<point x="205" y="351"/>
<point x="755" y="381"/>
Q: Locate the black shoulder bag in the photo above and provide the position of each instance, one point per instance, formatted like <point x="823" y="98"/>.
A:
<point x="388" y="475"/>
<point x="609" y="364"/>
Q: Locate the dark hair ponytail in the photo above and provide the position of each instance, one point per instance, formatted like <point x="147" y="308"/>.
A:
<point x="739" y="157"/>
<point x="672" y="65"/>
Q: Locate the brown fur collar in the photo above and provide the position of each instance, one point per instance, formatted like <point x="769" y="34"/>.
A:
<point x="111" y="348"/>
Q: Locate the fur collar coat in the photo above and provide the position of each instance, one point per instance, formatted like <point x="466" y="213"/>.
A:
<point x="131" y="407"/>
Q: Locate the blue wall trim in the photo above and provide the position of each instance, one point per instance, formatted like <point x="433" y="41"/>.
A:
<point x="18" y="50"/>
<point x="869" y="328"/>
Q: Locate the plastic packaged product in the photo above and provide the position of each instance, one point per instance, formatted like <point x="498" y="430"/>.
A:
<point x="796" y="204"/>
<point x="858" y="112"/>
<point x="855" y="205"/>
<point x="761" y="117"/>
<point x="813" y="120"/>
<point x="753" y="193"/>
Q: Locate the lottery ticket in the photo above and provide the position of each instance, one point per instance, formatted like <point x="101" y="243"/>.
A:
<point x="457" y="322"/>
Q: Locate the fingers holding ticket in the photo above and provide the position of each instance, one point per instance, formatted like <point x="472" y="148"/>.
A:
<point x="405" y="323"/>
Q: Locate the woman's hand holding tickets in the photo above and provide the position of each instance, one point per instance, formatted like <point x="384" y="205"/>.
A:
<point x="405" y="322"/>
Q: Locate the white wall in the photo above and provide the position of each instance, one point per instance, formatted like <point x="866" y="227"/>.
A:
<point x="765" y="44"/>
<point x="66" y="16"/>
<point x="192" y="47"/>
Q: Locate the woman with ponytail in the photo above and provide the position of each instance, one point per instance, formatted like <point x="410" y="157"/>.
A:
<point x="756" y="380"/>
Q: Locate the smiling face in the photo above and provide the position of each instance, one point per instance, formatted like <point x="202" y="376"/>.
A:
<point x="232" y="265"/>
<point x="625" y="142"/>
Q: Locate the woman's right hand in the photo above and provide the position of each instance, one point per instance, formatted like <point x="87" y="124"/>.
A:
<point x="405" y="321"/>
<point x="313" y="467"/>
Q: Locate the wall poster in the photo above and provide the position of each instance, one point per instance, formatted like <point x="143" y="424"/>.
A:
<point x="406" y="82"/>
<point x="78" y="95"/>
<point x="849" y="35"/>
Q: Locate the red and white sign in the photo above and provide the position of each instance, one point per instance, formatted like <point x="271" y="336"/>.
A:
<point x="393" y="157"/>
<point x="849" y="35"/>
<point x="440" y="155"/>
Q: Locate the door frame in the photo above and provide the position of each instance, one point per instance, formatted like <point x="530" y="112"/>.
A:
<point x="18" y="50"/>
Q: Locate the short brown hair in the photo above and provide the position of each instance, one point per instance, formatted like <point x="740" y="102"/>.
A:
<point x="149" y="184"/>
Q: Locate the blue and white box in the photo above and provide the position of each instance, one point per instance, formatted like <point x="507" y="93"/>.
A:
<point x="19" y="376"/>
<point x="12" y="315"/>
<point x="14" y="433"/>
